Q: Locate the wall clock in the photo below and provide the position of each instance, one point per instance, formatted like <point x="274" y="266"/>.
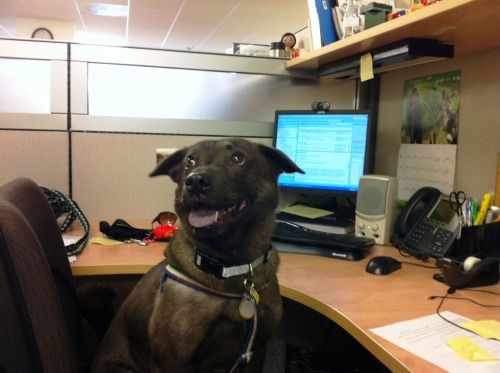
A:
<point x="42" y="33"/>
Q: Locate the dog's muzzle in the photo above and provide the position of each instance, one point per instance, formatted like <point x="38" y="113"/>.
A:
<point x="204" y="212"/>
<point x="202" y="216"/>
<point x="198" y="182"/>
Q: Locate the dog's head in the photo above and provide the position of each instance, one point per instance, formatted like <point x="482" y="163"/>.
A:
<point x="225" y="185"/>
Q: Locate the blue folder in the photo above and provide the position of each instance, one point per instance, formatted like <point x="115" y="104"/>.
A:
<point x="326" y="26"/>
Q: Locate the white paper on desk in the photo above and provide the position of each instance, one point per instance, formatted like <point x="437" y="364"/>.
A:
<point x="427" y="337"/>
<point x="422" y="165"/>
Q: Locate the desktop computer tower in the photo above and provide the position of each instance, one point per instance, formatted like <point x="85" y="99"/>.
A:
<point x="376" y="207"/>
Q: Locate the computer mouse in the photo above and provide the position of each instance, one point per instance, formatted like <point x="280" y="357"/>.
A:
<point x="382" y="265"/>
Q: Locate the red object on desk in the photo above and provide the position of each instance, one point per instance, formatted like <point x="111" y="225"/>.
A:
<point x="164" y="232"/>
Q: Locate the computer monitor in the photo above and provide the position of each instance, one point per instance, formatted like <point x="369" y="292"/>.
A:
<point x="334" y="148"/>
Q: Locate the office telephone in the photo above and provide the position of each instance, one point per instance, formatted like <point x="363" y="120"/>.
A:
<point x="427" y="225"/>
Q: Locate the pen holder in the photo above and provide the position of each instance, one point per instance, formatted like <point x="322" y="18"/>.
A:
<point x="479" y="239"/>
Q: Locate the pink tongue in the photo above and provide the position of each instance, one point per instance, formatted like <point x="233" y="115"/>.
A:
<point x="202" y="217"/>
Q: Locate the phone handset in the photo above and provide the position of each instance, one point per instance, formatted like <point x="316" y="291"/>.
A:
<point x="416" y="209"/>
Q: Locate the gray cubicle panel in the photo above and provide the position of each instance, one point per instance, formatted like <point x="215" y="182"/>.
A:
<point x="126" y="102"/>
<point x="140" y="100"/>
<point x="231" y="95"/>
<point x="40" y="155"/>
<point x="33" y="112"/>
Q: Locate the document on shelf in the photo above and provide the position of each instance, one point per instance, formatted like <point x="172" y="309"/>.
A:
<point x="429" y="337"/>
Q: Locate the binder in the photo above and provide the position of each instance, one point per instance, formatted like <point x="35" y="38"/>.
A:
<point x="325" y="16"/>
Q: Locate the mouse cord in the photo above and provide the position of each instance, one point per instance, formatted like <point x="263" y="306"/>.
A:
<point x="451" y="291"/>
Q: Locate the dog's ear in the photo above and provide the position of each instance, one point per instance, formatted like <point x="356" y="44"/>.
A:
<point x="170" y="165"/>
<point x="279" y="161"/>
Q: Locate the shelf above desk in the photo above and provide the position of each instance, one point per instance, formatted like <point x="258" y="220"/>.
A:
<point x="471" y="25"/>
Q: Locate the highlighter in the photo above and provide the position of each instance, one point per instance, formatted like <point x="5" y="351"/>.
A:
<point x="483" y="210"/>
<point x="474" y="211"/>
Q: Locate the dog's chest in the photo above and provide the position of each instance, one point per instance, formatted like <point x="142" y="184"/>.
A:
<point x="198" y="325"/>
<point x="190" y="302"/>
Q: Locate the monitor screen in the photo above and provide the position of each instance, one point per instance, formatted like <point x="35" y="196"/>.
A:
<point x="334" y="148"/>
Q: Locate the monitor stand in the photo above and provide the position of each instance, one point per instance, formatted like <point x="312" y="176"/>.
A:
<point x="339" y="212"/>
<point x="341" y="221"/>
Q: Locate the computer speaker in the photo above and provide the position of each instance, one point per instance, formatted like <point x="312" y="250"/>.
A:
<point x="376" y="207"/>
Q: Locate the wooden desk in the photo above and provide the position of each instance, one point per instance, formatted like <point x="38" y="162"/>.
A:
<point x="123" y="259"/>
<point x="340" y="290"/>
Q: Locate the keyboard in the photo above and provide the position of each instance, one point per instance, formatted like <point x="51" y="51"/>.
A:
<point x="329" y="252"/>
<point x="286" y="231"/>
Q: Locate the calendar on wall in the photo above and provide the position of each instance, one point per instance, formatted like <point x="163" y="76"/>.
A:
<point x="425" y="165"/>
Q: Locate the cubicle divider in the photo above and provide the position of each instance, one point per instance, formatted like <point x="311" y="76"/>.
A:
<point x="111" y="107"/>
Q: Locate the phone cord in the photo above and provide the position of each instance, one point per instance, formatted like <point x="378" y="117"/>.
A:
<point x="398" y="242"/>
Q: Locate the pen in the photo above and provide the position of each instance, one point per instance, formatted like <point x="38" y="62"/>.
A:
<point x="468" y="212"/>
<point x="474" y="211"/>
<point x="483" y="210"/>
<point x="489" y="217"/>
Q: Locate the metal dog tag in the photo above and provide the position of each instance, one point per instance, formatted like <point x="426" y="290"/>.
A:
<point x="247" y="306"/>
<point x="250" y="298"/>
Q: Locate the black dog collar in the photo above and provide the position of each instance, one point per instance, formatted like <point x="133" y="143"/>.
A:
<point x="221" y="270"/>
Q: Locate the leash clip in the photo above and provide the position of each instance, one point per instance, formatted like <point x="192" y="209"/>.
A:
<point x="248" y="281"/>
<point x="138" y="242"/>
<point x="250" y="298"/>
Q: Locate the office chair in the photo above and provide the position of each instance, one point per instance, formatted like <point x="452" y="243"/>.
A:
<point x="33" y="332"/>
<point x="28" y="200"/>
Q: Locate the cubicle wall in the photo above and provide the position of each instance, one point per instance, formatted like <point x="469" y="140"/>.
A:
<point x="479" y="126"/>
<point x="34" y="138"/>
<point x="126" y="102"/>
<point x="111" y="107"/>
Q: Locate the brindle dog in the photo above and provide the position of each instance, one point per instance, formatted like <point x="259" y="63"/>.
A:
<point x="212" y="305"/>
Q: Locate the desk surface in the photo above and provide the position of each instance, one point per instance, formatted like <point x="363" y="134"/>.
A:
<point x="340" y="290"/>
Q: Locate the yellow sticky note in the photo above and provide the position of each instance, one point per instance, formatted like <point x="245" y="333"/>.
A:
<point x="366" y="67"/>
<point x="485" y="328"/>
<point x="104" y="241"/>
<point x="306" y="211"/>
<point x="467" y="349"/>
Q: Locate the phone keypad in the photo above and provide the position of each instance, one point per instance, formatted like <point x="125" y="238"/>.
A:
<point x="440" y="242"/>
<point x="430" y="238"/>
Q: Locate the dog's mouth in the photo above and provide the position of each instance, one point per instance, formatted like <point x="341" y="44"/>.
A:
<point x="203" y="216"/>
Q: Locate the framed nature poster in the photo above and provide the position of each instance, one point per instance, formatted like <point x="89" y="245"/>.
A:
<point x="431" y="109"/>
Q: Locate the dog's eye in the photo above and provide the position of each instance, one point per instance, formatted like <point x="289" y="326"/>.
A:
<point x="190" y="161"/>
<point x="238" y="158"/>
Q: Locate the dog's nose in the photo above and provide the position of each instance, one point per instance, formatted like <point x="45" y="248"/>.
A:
<point x="198" y="182"/>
